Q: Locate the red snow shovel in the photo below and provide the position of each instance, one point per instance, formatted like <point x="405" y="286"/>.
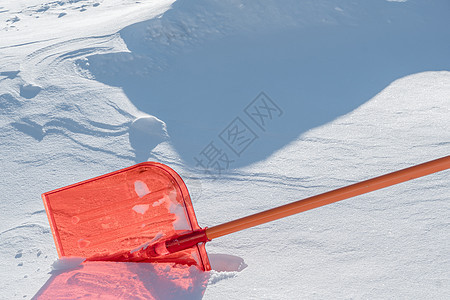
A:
<point x="144" y="214"/>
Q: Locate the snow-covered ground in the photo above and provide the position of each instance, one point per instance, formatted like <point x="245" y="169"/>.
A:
<point x="352" y="90"/>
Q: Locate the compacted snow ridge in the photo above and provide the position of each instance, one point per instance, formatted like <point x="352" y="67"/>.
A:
<point x="255" y="104"/>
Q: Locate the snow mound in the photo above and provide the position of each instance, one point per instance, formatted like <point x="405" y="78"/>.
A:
<point x="145" y="134"/>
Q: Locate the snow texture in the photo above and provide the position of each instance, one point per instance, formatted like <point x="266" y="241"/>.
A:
<point x="345" y="91"/>
<point x="181" y="222"/>
<point x="67" y="264"/>
<point x="141" y="208"/>
<point x="141" y="188"/>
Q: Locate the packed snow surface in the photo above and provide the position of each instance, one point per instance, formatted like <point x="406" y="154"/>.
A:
<point x="255" y="104"/>
<point x="67" y="263"/>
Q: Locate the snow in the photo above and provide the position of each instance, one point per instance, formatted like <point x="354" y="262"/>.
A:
<point x="362" y="89"/>
<point x="141" y="188"/>
<point x="141" y="208"/>
<point x="181" y="222"/>
<point x="111" y="280"/>
<point x="226" y="263"/>
<point x="67" y="263"/>
<point x="145" y="245"/>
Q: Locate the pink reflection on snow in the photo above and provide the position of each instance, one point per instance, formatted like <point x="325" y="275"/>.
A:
<point x="120" y="280"/>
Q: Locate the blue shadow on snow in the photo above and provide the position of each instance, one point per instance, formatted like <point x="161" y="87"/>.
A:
<point x="314" y="74"/>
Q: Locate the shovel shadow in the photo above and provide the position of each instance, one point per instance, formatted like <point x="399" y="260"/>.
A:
<point x="315" y="74"/>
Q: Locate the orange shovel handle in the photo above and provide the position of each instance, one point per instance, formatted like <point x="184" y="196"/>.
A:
<point x="330" y="197"/>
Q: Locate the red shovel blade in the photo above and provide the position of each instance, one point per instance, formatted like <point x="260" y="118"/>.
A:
<point x="119" y="212"/>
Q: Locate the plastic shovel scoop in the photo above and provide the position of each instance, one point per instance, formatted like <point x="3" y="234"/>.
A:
<point x="114" y="217"/>
<point x="144" y="213"/>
